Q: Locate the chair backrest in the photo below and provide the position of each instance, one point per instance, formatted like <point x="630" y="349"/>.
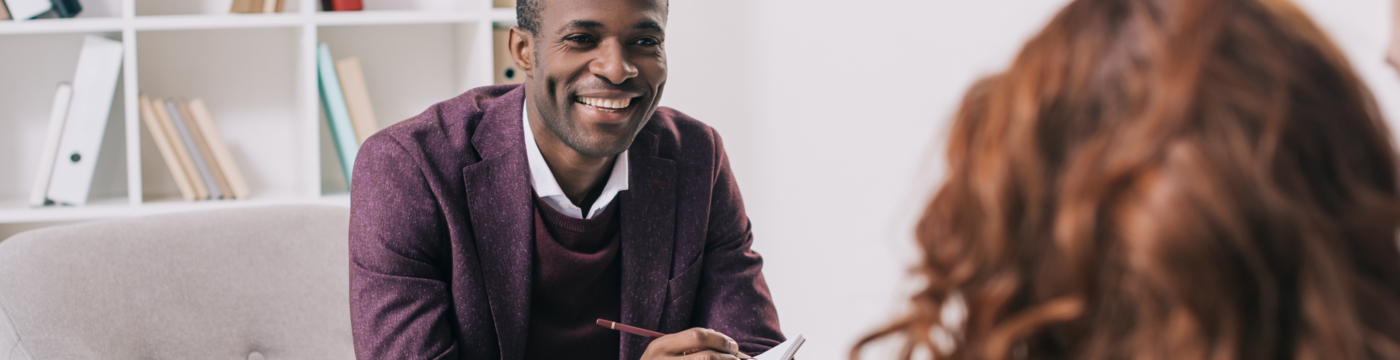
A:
<point x="250" y="283"/>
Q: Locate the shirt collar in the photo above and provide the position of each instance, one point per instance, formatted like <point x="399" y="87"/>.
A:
<point x="547" y="188"/>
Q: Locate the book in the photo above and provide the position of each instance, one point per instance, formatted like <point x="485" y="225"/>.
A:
<point x="506" y="72"/>
<point x="58" y="114"/>
<point x="215" y="173"/>
<point x="342" y="5"/>
<point x="248" y="6"/>
<point x="4" y="12"/>
<point x="66" y="8"/>
<point x="181" y="151"/>
<point x="352" y="84"/>
<point x="197" y="157"/>
<point x="167" y="151"/>
<point x="241" y="6"/>
<point x="21" y="10"/>
<point x="222" y="156"/>
<point x="337" y="114"/>
<point x="94" y="84"/>
<point x="503" y="3"/>
<point x="784" y="351"/>
<point x="269" y="6"/>
<point x="281" y="5"/>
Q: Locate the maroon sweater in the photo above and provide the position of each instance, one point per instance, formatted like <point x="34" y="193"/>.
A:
<point x="577" y="279"/>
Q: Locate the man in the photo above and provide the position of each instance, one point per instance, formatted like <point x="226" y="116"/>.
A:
<point x="501" y="223"/>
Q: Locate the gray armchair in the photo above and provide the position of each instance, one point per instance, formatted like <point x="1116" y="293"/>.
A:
<point x="254" y="283"/>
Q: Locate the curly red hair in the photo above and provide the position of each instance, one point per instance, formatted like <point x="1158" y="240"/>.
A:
<point x="1165" y="179"/>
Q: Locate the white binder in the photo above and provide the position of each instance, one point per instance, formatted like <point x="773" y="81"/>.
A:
<point x="94" y="84"/>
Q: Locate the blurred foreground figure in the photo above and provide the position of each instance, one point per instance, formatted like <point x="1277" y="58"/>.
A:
<point x="1164" y="179"/>
<point x="1392" y="53"/>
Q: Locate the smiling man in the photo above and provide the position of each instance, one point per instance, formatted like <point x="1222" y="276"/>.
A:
<point x="502" y="223"/>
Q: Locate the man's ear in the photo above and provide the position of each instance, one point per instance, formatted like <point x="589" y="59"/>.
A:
<point x="522" y="49"/>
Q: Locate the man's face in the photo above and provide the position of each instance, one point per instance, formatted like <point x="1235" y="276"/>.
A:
<point x="599" y="69"/>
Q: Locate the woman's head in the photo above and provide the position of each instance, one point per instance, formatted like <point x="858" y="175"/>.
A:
<point x="1166" y="179"/>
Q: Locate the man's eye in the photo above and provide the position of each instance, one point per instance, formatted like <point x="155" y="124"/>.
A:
<point x="583" y="39"/>
<point x="647" y="42"/>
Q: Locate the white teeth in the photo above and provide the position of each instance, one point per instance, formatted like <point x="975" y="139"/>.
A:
<point x="606" y="103"/>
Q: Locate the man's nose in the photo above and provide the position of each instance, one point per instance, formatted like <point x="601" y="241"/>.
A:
<point x="612" y="63"/>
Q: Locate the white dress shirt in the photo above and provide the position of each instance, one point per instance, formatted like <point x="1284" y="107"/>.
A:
<point x="547" y="188"/>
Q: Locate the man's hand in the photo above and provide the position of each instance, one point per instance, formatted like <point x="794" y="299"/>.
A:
<point x="693" y="344"/>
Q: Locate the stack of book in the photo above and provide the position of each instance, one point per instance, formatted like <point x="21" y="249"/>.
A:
<point x="258" y="6"/>
<point x="342" y="5"/>
<point x="21" y="10"/>
<point x="345" y="98"/>
<point x="194" y="152"/>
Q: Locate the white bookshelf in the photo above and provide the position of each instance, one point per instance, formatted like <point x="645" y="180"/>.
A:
<point x="256" y="73"/>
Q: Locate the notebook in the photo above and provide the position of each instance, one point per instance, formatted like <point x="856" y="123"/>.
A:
<point x="222" y="156"/>
<point x="187" y="136"/>
<point x="21" y="10"/>
<point x="784" y="351"/>
<point x="57" y="116"/>
<point x="337" y="111"/>
<point x="178" y="145"/>
<point x="352" y="84"/>
<point x="167" y="151"/>
<point x="202" y="142"/>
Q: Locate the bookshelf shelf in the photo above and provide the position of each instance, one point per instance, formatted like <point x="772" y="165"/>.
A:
<point x="207" y="22"/>
<point x="61" y="26"/>
<point x="236" y="21"/>
<point x="256" y="73"/>
<point x="408" y="17"/>
<point x="17" y="211"/>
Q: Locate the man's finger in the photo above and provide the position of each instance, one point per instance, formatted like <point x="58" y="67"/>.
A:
<point x="714" y="340"/>
<point x="709" y="355"/>
<point x="689" y="341"/>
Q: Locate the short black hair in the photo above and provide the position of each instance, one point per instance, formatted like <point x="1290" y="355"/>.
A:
<point x="527" y="14"/>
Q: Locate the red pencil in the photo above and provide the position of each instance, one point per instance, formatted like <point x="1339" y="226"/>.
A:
<point x="642" y="332"/>
<point x="629" y="329"/>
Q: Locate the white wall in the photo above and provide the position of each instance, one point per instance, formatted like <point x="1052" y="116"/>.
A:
<point x="834" y="114"/>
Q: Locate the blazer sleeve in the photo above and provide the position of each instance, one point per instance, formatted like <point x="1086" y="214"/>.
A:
<point x="399" y="298"/>
<point x="732" y="297"/>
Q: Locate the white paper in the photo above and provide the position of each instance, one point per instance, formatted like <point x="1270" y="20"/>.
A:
<point x="783" y="351"/>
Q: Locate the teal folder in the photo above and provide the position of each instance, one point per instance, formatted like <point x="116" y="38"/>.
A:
<point x="337" y="113"/>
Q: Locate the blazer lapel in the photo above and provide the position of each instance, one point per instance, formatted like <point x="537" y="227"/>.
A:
<point x="648" y="238"/>
<point x="501" y="204"/>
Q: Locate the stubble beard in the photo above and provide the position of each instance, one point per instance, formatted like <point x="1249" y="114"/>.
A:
<point x="569" y="132"/>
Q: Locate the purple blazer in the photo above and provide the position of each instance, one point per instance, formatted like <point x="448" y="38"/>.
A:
<point x="441" y="230"/>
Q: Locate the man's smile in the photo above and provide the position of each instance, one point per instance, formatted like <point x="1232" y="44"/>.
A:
<point x="609" y="107"/>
